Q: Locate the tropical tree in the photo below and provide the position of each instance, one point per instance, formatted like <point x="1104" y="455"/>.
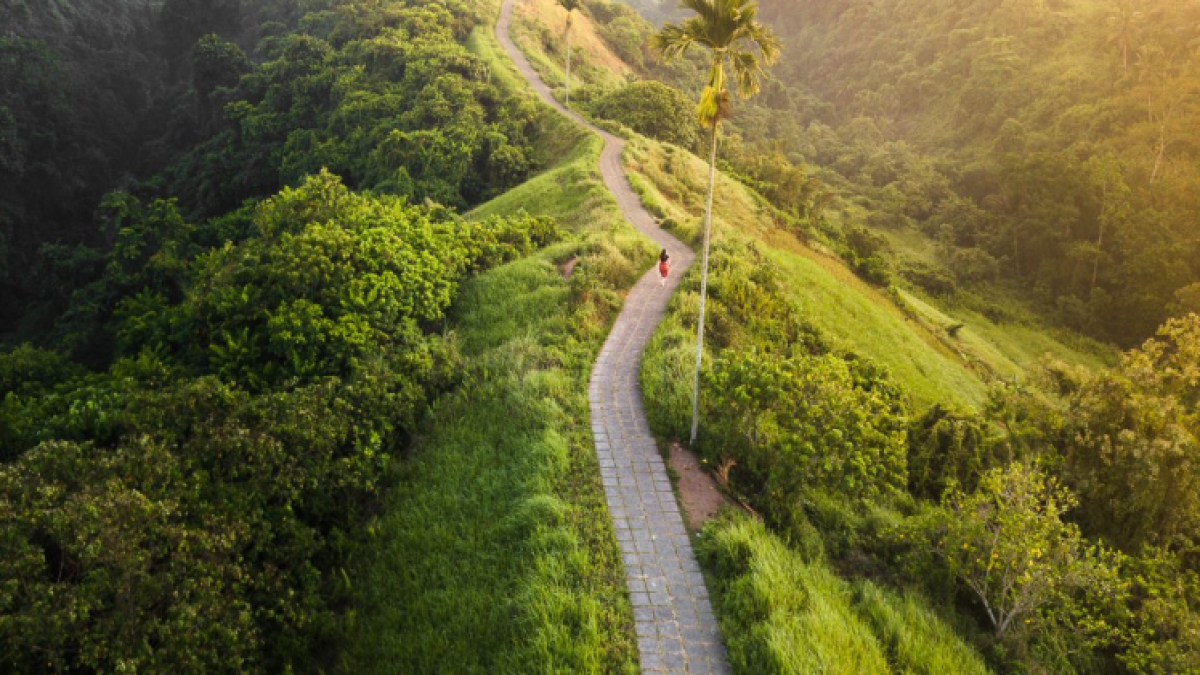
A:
<point x="730" y="31"/>
<point x="570" y="6"/>
<point x="1123" y="26"/>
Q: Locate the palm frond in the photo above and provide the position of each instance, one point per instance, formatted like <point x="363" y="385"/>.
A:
<point x="672" y="42"/>
<point x="748" y="71"/>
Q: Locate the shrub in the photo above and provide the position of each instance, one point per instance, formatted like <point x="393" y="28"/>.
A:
<point x="652" y="109"/>
<point x="866" y="253"/>
<point x="931" y="279"/>
<point x="1008" y="544"/>
<point x="804" y="423"/>
<point x="945" y="449"/>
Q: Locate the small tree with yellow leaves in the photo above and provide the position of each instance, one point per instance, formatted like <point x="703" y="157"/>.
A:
<point x="1007" y="542"/>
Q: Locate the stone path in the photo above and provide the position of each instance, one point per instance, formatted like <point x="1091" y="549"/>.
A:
<point x="676" y="630"/>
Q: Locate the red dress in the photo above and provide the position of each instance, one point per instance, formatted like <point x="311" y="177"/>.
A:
<point x="664" y="268"/>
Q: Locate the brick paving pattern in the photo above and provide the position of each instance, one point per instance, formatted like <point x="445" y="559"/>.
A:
<point x="676" y="629"/>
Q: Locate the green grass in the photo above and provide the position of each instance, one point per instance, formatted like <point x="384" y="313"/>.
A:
<point x="785" y="616"/>
<point x="918" y="642"/>
<point x="780" y="614"/>
<point x="1017" y="344"/>
<point x="852" y="314"/>
<point x="495" y="551"/>
<point x="482" y="42"/>
<point x="865" y="323"/>
<point x="908" y="338"/>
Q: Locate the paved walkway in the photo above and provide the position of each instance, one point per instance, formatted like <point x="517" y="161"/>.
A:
<point x="676" y="630"/>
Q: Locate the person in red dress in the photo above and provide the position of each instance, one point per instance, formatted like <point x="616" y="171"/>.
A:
<point x="664" y="267"/>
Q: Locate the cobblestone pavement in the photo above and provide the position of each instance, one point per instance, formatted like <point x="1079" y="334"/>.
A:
<point x="676" y="629"/>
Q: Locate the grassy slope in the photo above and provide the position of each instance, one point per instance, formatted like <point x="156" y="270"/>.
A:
<point x="781" y="614"/>
<point x="854" y="314"/>
<point x="539" y="30"/>
<point x="495" y="553"/>
<point x="787" y="615"/>
<point x="909" y="338"/>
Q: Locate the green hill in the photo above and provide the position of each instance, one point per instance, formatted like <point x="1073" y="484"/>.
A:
<point x="1051" y="144"/>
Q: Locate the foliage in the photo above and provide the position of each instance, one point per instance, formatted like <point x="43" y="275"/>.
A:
<point x="1047" y="144"/>
<point x="1132" y="443"/>
<point x="192" y="508"/>
<point x="387" y="99"/>
<point x="947" y="449"/>
<point x="1007" y="542"/>
<point x="383" y="94"/>
<point x="806" y="423"/>
<point x="867" y="255"/>
<point x="653" y="109"/>
<point x="1164" y="636"/>
<point x="730" y="31"/>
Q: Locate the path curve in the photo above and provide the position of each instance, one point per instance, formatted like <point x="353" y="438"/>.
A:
<point x="676" y="629"/>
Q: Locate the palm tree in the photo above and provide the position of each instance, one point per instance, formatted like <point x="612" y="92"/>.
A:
<point x="733" y="36"/>
<point x="1123" y="28"/>
<point x="570" y="6"/>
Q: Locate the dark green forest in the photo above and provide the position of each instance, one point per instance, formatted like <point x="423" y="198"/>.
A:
<point x="229" y="241"/>
<point x="1049" y="146"/>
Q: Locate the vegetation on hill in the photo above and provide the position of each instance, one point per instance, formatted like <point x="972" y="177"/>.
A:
<point x="1023" y="513"/>
<point x="1050" y="144"/>
<point x="230" y="362"/>
<point x="273" y="406"/>
<point x="496" y="551"/>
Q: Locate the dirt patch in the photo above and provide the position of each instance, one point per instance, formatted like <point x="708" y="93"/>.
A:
<point x="698" y="490"/>
<point x="566" y="269"/>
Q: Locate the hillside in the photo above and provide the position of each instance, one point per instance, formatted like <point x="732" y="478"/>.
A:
<point x="909" y="336"/>
<point x="242" y="383"/>
<point x="913" y="429"/>
<point x="327" y="346"/>
<point x="1048" y="144"/>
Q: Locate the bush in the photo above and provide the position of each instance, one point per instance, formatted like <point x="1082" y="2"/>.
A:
<point x="1008" y="544"/>
<point x="933" y="280"/>
<point x="652" y="109"/>
<point x="805" y="423"/>
<point x="972" y="265"/>
<point x="946" y="449"/>
<point x="866" y="254"/>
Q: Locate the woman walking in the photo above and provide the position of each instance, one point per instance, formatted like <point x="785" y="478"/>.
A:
<point x="664" y="267"/>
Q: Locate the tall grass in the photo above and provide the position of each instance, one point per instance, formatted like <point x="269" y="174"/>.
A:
<point x="785" y="616"/>
<point x="780" y="614"/>
<point x="495" y="552"/>
<point x="917" y="640"/>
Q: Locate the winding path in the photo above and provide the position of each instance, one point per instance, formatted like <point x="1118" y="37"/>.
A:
<point x="676" y="629"/>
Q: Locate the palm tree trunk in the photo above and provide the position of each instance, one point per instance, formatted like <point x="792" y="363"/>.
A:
<point x="712" y="182"/>
<point x="1162" y="150"/>
<point x="568" y="103"/>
